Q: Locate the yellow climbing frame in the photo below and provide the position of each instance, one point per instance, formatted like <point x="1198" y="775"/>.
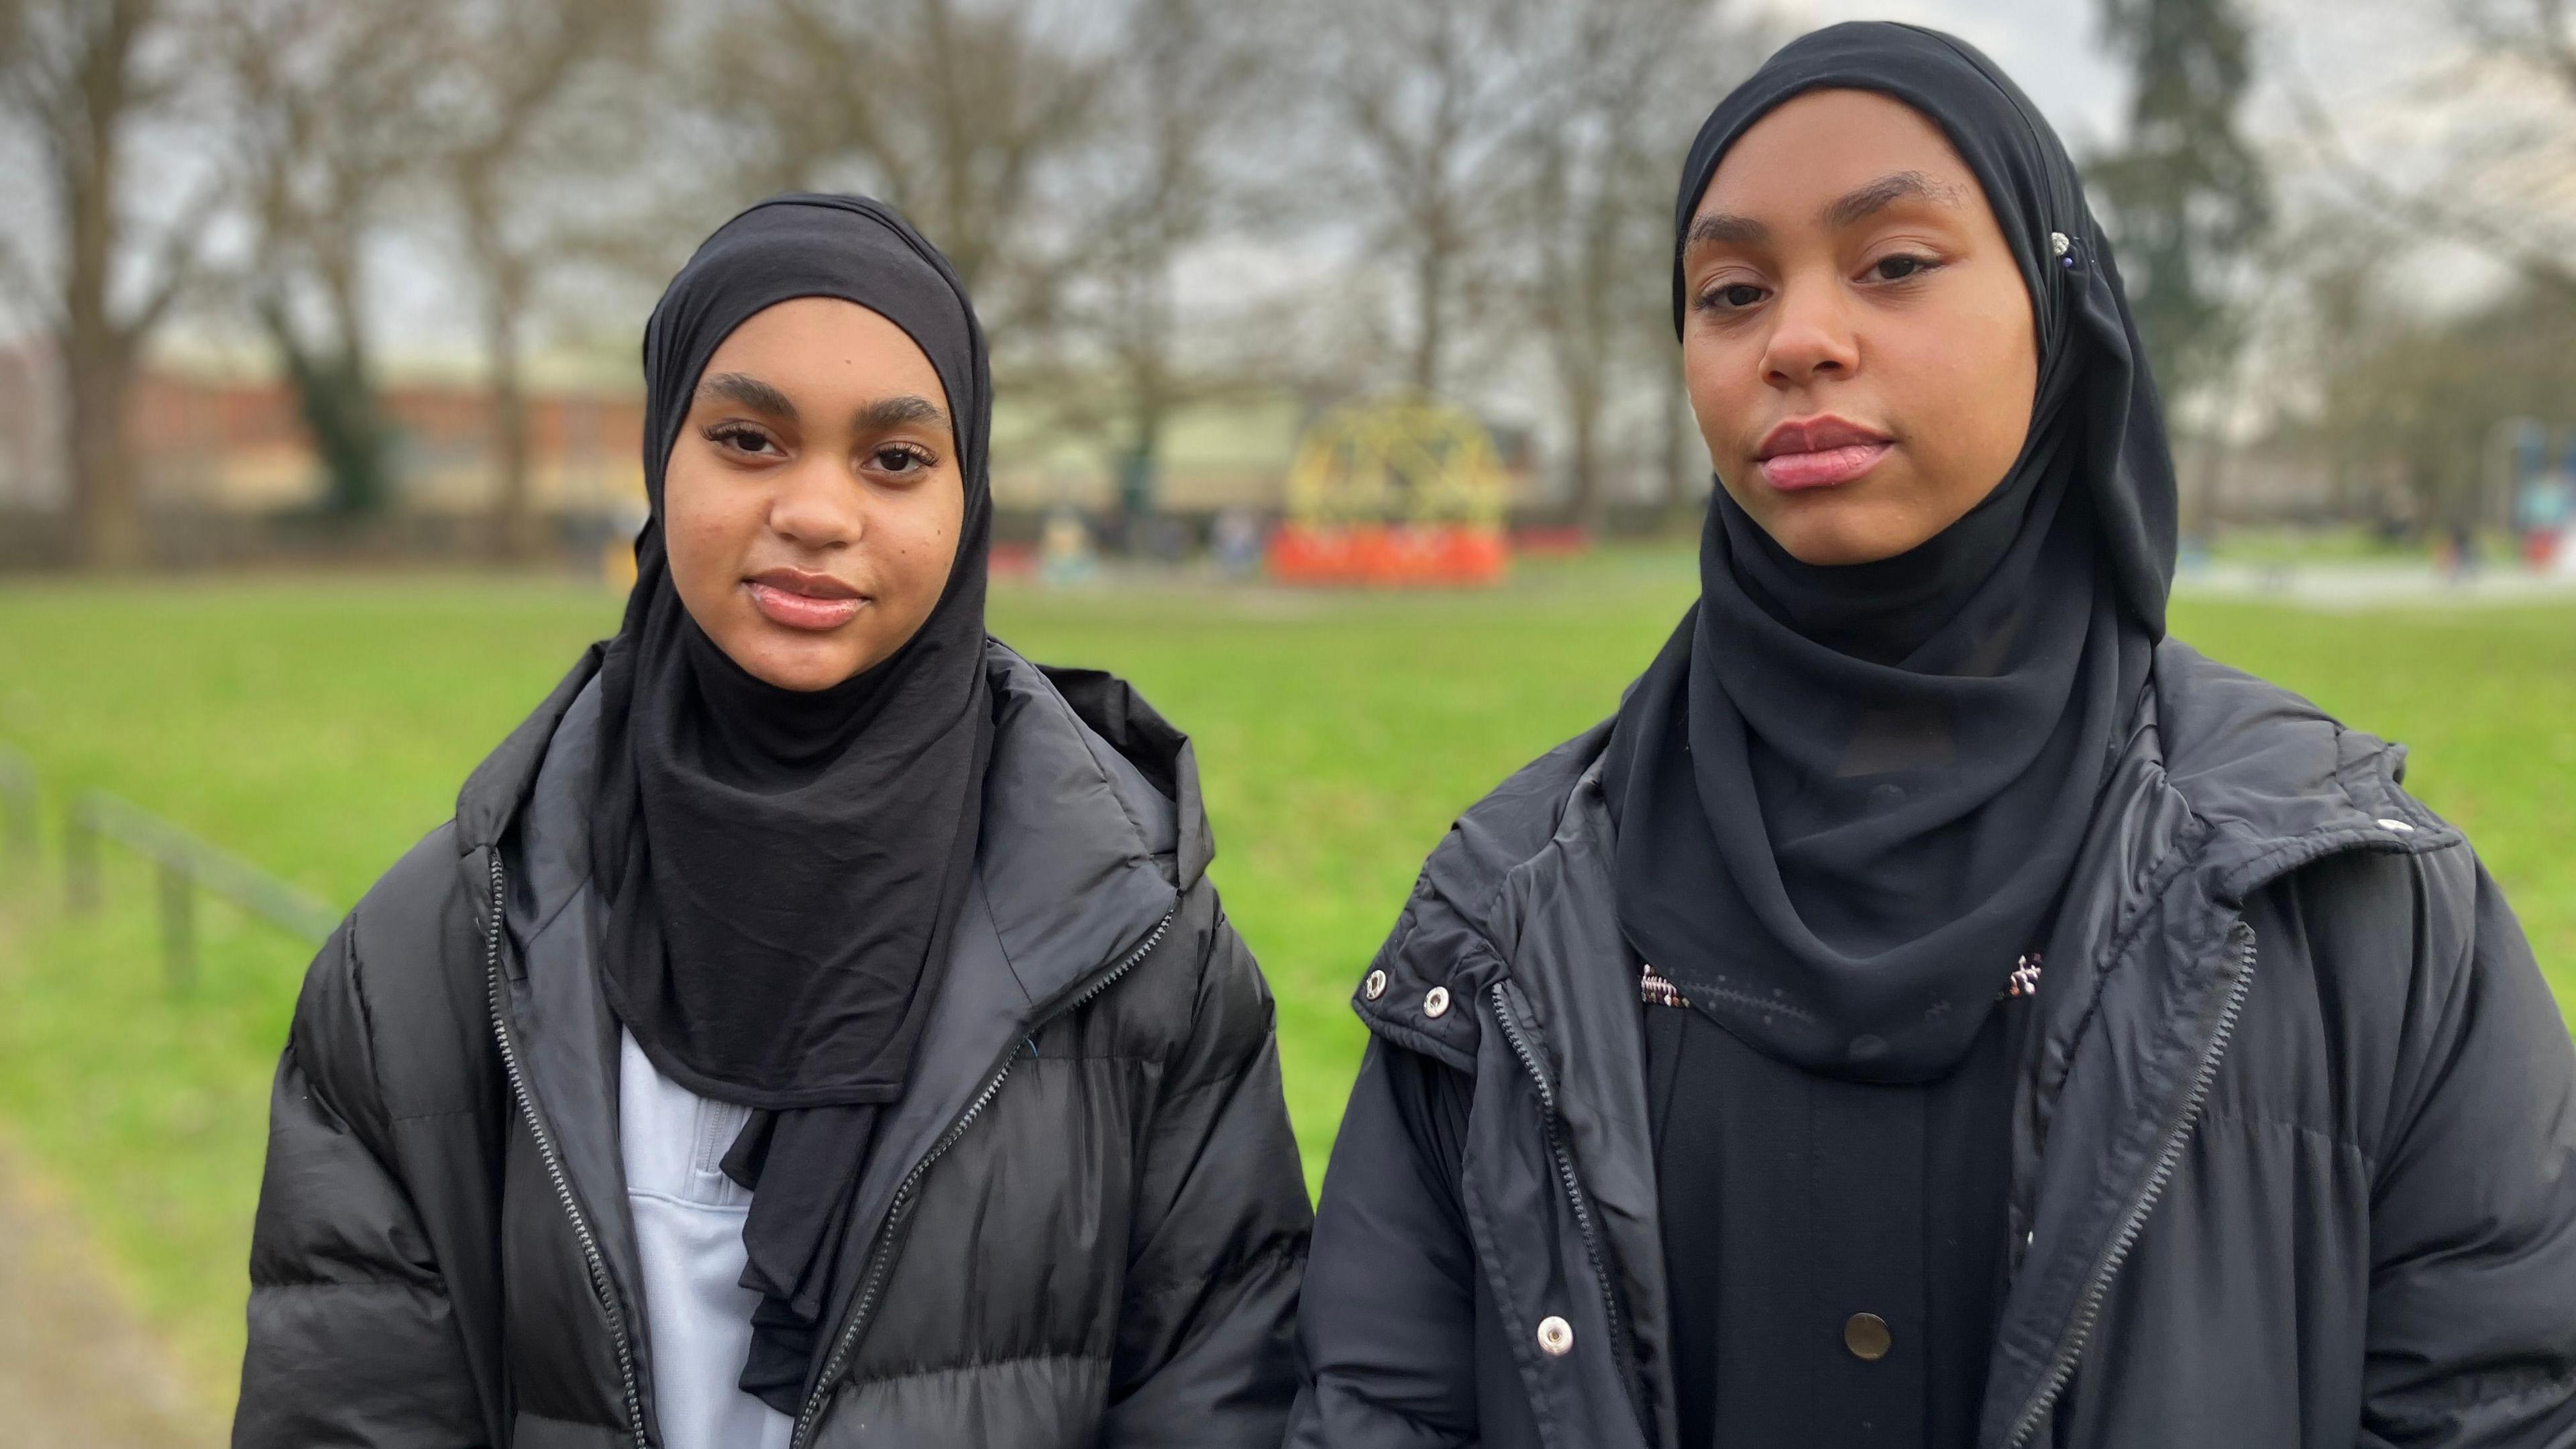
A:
<point x="1401" y="459"/>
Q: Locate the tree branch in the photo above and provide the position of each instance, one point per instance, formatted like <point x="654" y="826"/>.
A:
<point x="2444" y="218"/>
<point x="178" y="262"/>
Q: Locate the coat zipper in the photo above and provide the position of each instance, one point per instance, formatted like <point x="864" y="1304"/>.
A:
<point x="2071" y="1347"/>
<point x="599" y="1282"/>
<point x="880" y="1255"/>
<point x="1619" y="1346"/>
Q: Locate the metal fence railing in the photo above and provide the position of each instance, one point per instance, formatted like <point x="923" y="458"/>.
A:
<point x="184" y="868"/>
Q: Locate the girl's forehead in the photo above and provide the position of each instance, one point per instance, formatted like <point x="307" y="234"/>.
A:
<point x="1817" y="149"/>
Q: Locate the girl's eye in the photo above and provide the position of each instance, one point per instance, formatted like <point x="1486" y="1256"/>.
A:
<point x="739" y="438"/>
<point x="1733" y="297"/>
<point x="1898" y="268"/>
<point x="896" y="459"/>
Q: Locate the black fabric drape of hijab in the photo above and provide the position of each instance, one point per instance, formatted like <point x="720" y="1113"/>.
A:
<point x="781" y="870"/>
<point x="1848" y="798"/>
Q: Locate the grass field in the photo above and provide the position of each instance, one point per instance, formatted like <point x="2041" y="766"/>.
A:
<point x="319" y="727"/>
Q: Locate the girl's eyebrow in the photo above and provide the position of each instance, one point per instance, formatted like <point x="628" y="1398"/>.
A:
<point x="751" y="392"/>
<point x="874" y="417"/>
<point x="1720" y="228"/>
<point x="894" y="412"/>
<point x="1864" y="201"/>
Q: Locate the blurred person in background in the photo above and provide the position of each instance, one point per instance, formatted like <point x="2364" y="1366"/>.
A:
<point x="1938" y="1008"/>
<point x="816" y="1026"/>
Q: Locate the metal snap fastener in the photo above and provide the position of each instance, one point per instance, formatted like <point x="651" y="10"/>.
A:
<point x="1555" y="1336"/>
<point x="2059" y="244"/>
<point x="1435" y="1002"/>
<point x="2400" y="826"/>
<point x="1866" y="1335"/>
<point x="1375" y="986"/>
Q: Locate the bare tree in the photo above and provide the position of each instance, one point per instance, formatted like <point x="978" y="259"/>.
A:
<point x="1164" y="172"/>
<point x="1598" y="151"/>
<point x="519" y="92"/>
<point x="1428" y="94"/>
<point x="980" y="101"/>
<point x="329" y="120"/>
<point x="82" y="77"/>
<point x="2488" y="157"/>
<point x="2403" y="406"/>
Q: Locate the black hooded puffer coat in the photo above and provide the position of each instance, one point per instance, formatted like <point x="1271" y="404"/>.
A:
<point x="1085" y="1219"/>
<point x="2294" y="1146"/>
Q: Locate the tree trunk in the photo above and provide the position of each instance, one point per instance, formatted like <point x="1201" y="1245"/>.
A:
<point x="2200" y="499"/>
<point x="107" y="505"/>
<point x="97" y="356"/>
<point x="337" y="396"/>
<point x="1684" y="481"/>
<point x="514" y="529"/>
<point x="1140" y="478"/>
<point x="362" y="455"/>
<point x="515" y="522"/>
<point x="1583" y="455"/>
<point x="1431" y="281"/>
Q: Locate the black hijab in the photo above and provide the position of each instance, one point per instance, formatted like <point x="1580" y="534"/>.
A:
<point x="781" y="870"/>
<point x="1848" y="798"/>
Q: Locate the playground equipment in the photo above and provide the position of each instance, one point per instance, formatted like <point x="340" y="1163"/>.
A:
<point x="2541" y="497"/>
<point x="1404" y="491"/>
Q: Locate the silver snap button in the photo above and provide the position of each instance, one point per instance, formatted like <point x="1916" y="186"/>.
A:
<point x="1555" y="1336"/>
<point x="1435" y="1002"/>
<point x="2058" y="245"/>
<point x="1375" y="987"/>
<point x="2400" y="826"/>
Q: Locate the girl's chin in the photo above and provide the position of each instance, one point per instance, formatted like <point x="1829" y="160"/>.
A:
<point x="1837" y="531"/>
<point x="802" y="662"/>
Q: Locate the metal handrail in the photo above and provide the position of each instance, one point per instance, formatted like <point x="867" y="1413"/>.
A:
<point x="186" y="866"/>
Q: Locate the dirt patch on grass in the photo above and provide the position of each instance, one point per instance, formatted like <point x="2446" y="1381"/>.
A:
<point x="76" y="1367"/>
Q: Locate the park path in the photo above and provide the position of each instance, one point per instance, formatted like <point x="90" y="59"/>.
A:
<point x="77" y="1371"/>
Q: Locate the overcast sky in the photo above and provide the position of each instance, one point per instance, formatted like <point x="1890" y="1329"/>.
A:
<point x="2050" y="47"/>
<point x="2357" y="52"/>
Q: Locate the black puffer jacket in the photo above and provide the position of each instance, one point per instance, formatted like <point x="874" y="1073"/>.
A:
<point x="2295" y="1152"/>
<point x="1085" y="1218"/>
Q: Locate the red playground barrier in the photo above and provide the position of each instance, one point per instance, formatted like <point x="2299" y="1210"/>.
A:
<point x="1389" y="555"/>
<point x="1403" y="492"/>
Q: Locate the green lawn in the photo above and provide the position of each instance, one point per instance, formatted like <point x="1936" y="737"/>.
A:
<point x="319" y="727"/>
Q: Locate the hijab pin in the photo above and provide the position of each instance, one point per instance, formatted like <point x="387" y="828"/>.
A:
<point x="2062" y="247"/>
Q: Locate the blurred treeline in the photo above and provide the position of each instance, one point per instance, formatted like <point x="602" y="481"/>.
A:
<point x="1504" y="168"/>
<point x="1159" y="203"/>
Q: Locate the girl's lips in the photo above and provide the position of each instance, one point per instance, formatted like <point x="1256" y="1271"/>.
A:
<point x="802" y="611"/>
<point x="1823" y="468"/>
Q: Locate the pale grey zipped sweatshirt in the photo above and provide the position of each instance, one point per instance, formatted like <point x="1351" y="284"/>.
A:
<point x="688" y="1232"/>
